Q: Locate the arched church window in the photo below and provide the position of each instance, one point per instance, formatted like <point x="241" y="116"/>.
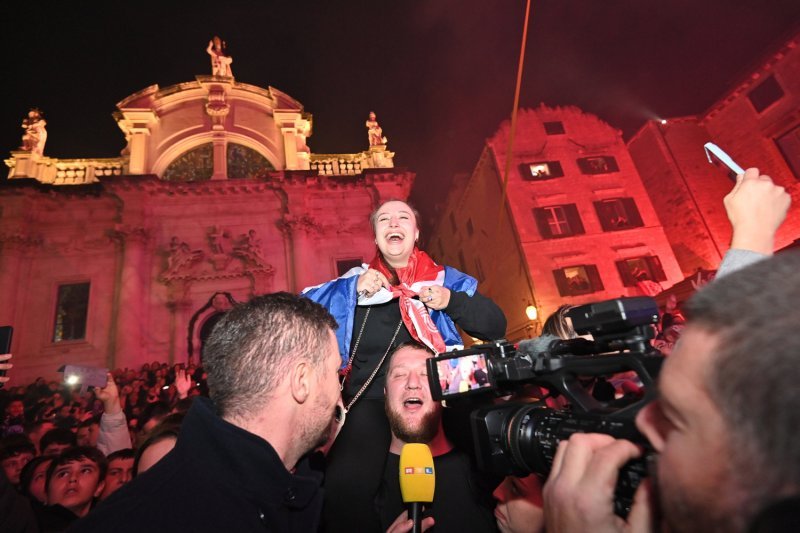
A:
<point x="196" y="164"/>
<point x="244" y="162"/>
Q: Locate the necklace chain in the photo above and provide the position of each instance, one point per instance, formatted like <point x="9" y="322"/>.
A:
<point x="377" y="367"/>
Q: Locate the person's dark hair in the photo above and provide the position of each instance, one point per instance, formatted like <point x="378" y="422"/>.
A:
<point x="58" y="436"/>
<point x="252" y="346"/>
<point x="557" y="325"/>
<point x="36" y="425"/>
<point x="16" y="444"/>
<point x="26" y="475"/>
<point x="169" y="427"/>
<point x="153" y="411"/>
<point x="753" y="314"/>
<point x="124" y="453"/>
<point x="182" y="406"/>
<point x="77" y="453"/>
<point x="14" y="398"/>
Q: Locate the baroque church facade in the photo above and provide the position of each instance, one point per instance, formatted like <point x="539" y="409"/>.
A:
<point x="215" y="198"/>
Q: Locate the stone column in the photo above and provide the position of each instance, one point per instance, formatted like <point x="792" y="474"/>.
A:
<point x="136" y="124"/>
<point x="220" y="157"/>
<point x="131" y="312"/>
<point x="303" y="230"/>
<point x="13" y="249"/>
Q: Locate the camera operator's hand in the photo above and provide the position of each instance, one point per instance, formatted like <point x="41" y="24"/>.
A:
<point x="756" y="208"/>
<point x="109" y="395"/>
<point x="579" y="494"/>
<point x="5" y="365"/>
<point x="183" y="382"/>
<point x="403" y="524"/>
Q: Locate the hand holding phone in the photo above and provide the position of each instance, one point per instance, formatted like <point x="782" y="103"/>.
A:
<point x="720" y="156"/>
<point x="85" y="376"/>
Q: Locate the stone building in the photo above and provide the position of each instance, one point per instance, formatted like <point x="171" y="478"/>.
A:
<point x="216" y="197"/>
<point x="576" y="225"/>
<point x="757" y="122"/>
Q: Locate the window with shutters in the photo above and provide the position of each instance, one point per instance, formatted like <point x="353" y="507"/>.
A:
<point x="558" y="221"/>
<point x="541" y="170"/>
<point x="598" y="164"/>
<point x="617" y="214"/>
<point x="577" y="280"/>
<point x="638" y="269"/>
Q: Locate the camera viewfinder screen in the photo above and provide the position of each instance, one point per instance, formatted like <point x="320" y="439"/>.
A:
<point x="463" y="374"/>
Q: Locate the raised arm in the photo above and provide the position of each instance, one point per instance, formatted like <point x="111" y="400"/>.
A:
<point x="756" y="207"/>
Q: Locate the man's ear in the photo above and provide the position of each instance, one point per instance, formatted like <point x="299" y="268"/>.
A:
<point x="99" y="490"/>
<point x="300" y="380"/>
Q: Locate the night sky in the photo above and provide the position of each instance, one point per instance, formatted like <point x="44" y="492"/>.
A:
<point x="439" y="73"/>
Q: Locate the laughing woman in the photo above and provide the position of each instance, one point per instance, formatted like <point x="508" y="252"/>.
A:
<point x="401" y="295"/>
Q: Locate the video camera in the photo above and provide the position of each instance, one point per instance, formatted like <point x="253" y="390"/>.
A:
<point x="514" y="438"/>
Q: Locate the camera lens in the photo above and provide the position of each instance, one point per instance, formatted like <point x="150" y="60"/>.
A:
<point x="530" y="447"/>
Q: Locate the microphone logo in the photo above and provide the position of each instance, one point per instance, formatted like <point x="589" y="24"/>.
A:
<point x="418" y="470"/>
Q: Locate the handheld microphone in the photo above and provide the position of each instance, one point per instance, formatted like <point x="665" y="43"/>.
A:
<point x="417" y="480"/>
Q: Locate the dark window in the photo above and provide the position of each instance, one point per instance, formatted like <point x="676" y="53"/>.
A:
<point x="71" y="310"/>
<point x="639" y="269"/>
<point x="542" y="170"/>
<point x="618" y="213"/>
<point x="470" y="229"/>
<point x="554" y="128"/>
<point x="575" y="280"/>
<point x="453" y="222"/>
<point x="558" y="221"/>
<point x="789" y="144"/>
<point x="343" y="265"/>
<point x="598" y="165"/>
<point x="766" y="94"/>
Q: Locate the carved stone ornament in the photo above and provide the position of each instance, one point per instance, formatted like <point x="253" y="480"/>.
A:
<point x="248" y="248"/>
<point x="304" y="223"/>
<point x="180" y="260"/>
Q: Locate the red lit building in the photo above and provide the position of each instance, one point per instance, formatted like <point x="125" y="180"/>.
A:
<point x="216" y="197"/>
<point x="577" y="224"/>
<point x="758" y="123"/>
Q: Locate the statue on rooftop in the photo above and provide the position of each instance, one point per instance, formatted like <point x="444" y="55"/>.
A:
<point x="35" y="132"/>
<point x="374" y="131"/>
<point x="220" y="60"/>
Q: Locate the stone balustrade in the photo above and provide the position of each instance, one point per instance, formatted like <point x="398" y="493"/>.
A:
<point x="79" y="171"/>
<point x="339" y="164"/>
<point x="63" y="171"/>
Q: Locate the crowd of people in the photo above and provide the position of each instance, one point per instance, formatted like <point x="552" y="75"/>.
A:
<point x="107" y="435"/>
<point x="235" y="445"/>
